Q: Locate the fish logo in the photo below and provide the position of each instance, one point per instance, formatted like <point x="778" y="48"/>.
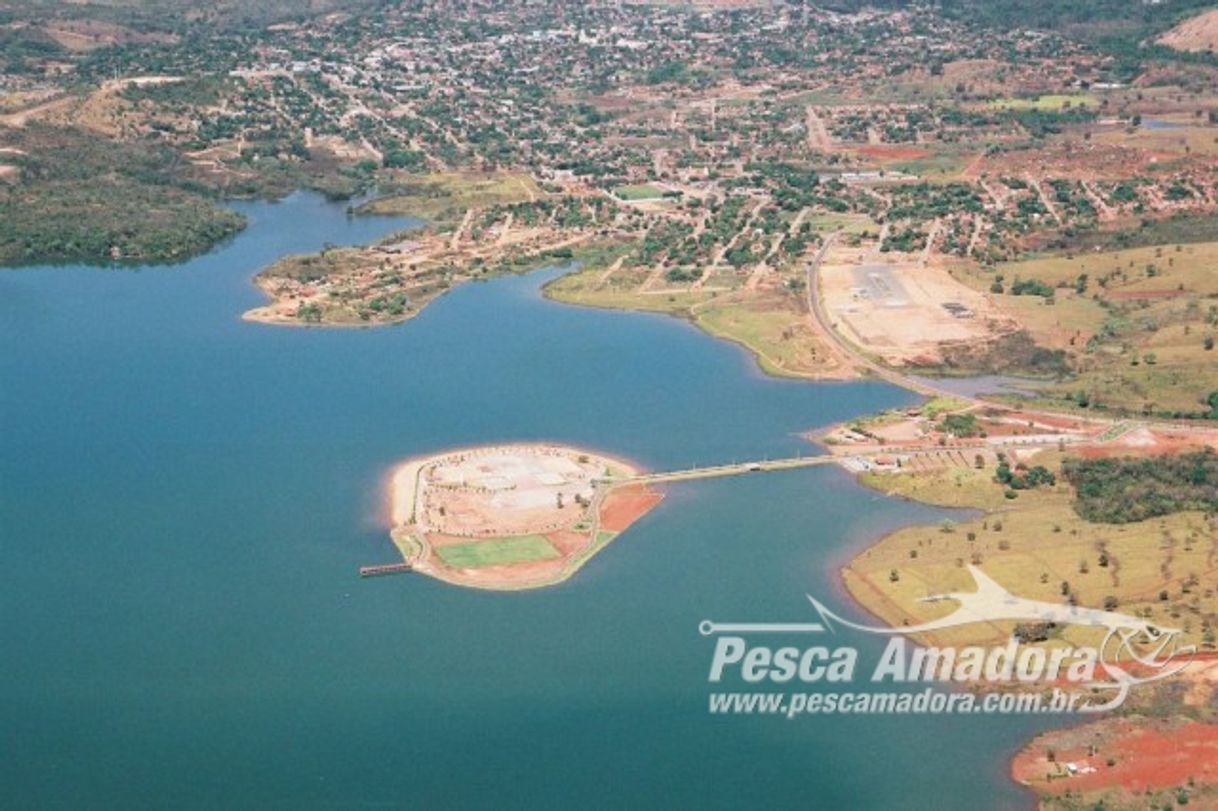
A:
<point x="1129" y="644"/>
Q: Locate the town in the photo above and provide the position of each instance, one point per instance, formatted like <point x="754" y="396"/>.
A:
<point x="1006" y="209"/>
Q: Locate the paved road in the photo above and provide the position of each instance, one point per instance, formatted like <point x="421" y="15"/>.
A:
<point x="824" y="323"/>
<point x="791" y="463"/>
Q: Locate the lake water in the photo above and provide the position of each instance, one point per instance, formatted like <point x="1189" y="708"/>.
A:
<point x="185" y="499"/>
<point x="1161" y="124"/>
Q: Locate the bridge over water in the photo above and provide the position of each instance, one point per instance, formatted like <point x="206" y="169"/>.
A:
<point x="794" y="462"/>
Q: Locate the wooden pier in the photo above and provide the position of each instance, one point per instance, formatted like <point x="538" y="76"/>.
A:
<point x="384" y="568"/>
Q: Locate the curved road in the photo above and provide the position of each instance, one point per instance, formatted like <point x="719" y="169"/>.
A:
<point x="824" y="324"/>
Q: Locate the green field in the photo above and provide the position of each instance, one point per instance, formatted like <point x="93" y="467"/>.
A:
<point x="942" y="166"/>
<point x="643" y="191"/>
<point x="849" y="223"/>
<point x="497" y="552"/>
<point x="620" y="292"/>
<point x="1187" y="267"/>
<point x="1142" y="332"/>
<point x="772" y="326"/>
<point x="1050" y="102"/>
<point x="444" y="197"/>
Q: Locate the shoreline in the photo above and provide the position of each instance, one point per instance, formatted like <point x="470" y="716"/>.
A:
<point x="767" y="366"/>
<point x="1006" y="760"/>
<point x="265" y="315"/>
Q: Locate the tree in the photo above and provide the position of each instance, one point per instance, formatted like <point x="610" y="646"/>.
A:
<point x="404" y="159"/>
<point x="960" y="425"/>
<point x="1123" y="490"/>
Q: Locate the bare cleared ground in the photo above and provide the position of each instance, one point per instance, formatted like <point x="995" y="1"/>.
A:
<point x="88" y="35"/>
<point x="508" y="491"/>
<point x="1198" y="33"/>
<point x="895" y="310"/>
<point x="1076" y="160"/>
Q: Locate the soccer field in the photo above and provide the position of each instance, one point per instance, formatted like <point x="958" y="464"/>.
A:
<point x="497" y="551"/>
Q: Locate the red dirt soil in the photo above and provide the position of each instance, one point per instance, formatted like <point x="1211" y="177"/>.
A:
<point x="1148" y="756"/>
<point x="568" y="541"/>
<point x="1074" y="160"/>
<point x="1149" y="443"/>
<point x="514" y="575"/>
<point x="626" y="505"/>
<point x="892" y="152"/>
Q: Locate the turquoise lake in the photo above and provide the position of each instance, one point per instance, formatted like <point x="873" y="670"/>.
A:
<point x="185" y="499"/>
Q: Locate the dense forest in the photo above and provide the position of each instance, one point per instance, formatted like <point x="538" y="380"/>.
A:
<point x="19" y="45"/>
<point x="1118" y="491"/>
<point x="87" y="199"/>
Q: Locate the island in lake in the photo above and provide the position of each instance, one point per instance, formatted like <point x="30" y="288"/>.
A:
<point x="512" y="517"/>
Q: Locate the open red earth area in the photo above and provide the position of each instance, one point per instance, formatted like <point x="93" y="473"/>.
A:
<point x="1148" y="443"/>
<point x="892" y="152"/>
<point x="568" y="541"/>
<point x="1146" y="755"/>
<point x="625" y="505"/>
